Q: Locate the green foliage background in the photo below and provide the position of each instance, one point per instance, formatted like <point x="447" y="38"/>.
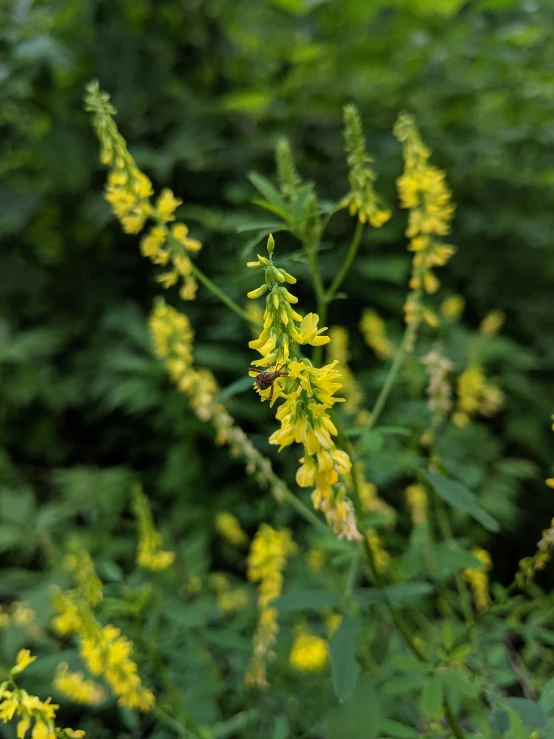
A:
<point x="203" y="90"/>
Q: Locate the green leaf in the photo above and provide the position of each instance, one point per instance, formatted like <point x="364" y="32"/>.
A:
<point x="451" y="557"/>
<point x="271" y="208"/>
<point x="547" y="696"/>
<point x="357" y="717"/>
<point x="236" y="387"/>
<point x="281" y="728"/>
<point x="267" y="226"/>
<point x="459" y="496"/>
<point x="269" y="192"/>
<point x="407" y="663"/>
<point x="11" y="536"/>
<point x="431" y="697"/>
<point x="397" y="730"/>
<point x="393" y="594"/>
<point x="531" y="713"/>
<point x="344" y="666"/>
<point x="306" y="599"/>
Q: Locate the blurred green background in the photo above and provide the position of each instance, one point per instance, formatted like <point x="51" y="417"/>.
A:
<point x="203" y="90"/>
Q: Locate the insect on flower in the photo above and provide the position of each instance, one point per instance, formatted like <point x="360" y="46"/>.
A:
<point x="266" y="378"/>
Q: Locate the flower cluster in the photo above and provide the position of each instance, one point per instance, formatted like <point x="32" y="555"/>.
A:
<point x="229" y="599"/>
<point x="362" y="198"/>
<point x="479" y="579"/>
<point x="453" y="306"/>
<point x="75" y="686"/>
<point x="381" y="557"/>
<point x="416" y="498"/>
<point x="129" y="192"/>
<point x="149" y="554"/>
<point x="476" y="395"/>
<point x="309" y="393"/>
<point x="172" y="338"/>
<point x="438" y="390"/>
<point x="309" y="653"/>
<point x="15" y="702"/>
<point x="267" y="558"/>
<point x="338" y="352"/>
<point x="424" y="192"/>
<point x="104" y="650"/>
<point x="19" y="614"/>
<point x="230" y="529"/>
<point x="374" y="332"/>
<point x="492" y="323"/>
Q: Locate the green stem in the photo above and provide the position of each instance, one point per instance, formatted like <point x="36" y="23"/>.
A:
<point x="229" y="302"/>
<point x="351" y="254"/>
<point x="407" y="339"/>
<point x="397" y="619"/>
<point x="321" y="301"/>
<point x="304" y="511"/>
<point x="172" y="723"/>
<point x="352" y="576"/>
<point x="231" y="726"/>
<point x="452" y="720"/>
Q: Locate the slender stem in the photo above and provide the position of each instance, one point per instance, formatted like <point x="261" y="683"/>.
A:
<point x="321" y="301"/>
<point x="351" y="254"/>
<point x="407" y="339"/>
<point x="171" y="722"/>
<point x="452" y="720"/>
<point x="231" y="726"/>
<point x="397" y="619"/>
<point x="229" y="302"/>
<point x="352" y="576"/>
<point x="304" y="511"/>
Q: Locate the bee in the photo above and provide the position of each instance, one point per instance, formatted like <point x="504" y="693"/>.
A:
<point x="266" y="378"/>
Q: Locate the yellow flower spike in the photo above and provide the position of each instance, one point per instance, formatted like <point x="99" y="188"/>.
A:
<point x="267" y="558"/>
<point x="550" y="482"/>
<point x="374" y="332"/>
<point x="257" y="293"/>
<point x="23" y="660"/>
<point x="149" y="554"/>
<point x="230" y="529"/>
<point x="309" y="653"/>
<point x="362" y="198"/>
<point x="479" y="579"/>
<point x="453" y="306"/>
<point x="423" y="191"/>
<point x="492" y="323"/>
<point x="129" y="192"/>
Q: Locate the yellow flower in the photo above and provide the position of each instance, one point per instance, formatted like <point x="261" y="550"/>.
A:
<point x="129" y="192"/>
<point x="476" y="395"/>
<point x="149" y="554"/>
<point x="268" y="554"/>
<point x="362" y="198"/>
<point x="308" y="392"/>
<point x="338" y="351"/>
<point x="492" y="323"/>
<point x="166" y="204"/>
<point x="424" y="192"/>
<point x="416" y="498"/>
<point x="479" y="579"/>
<point x="315" y="559"/>
<point x="172" y="338"/>
<point x="75" y="686"/>
<point x="229" y="528"/>
<point x="374" y="332"/>
<point x="15" y="702"/>
<point x="23" y="660"/>
<point x="309" y="653"/>
<point x="453" y="306"/>
<point x="380" y="555"/>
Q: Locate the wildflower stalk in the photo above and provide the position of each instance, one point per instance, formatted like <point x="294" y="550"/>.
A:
<point x="397" y="619"/>
<point x="407" y="341"/>
<point x="215" y="290"/>
<point x="350" y="256"/>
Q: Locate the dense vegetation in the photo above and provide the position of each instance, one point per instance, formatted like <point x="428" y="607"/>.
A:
<point x="204" y="93"/>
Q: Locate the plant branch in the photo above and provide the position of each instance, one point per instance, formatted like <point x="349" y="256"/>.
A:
<point x="379" y="404"/>
<point x="229" y="302"/>
<point x="350" y="256"/>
